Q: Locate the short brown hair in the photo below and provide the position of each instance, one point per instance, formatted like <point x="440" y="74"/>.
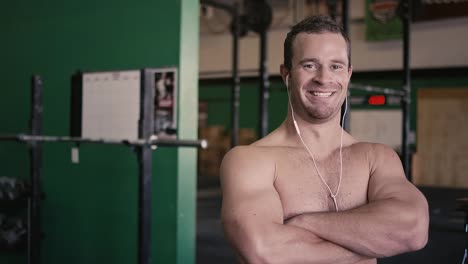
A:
<point x="313" y="25"/>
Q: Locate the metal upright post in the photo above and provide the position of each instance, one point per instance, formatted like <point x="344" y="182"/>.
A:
<point x="145" y="169"/>
<point x="465" y="256"/>
<point x="235" y="91"/>
<point x="345" y="15"/>
<point x="35" y="152"/>
<point x="235" y="77"/>
<point x="345" y="21"/>
<point x="405" y="151"/>
<point x="264" y="85"/>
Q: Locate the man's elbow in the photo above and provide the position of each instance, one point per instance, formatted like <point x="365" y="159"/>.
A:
<point x="417" y="235"/>
<point x="251" y="246"/>
<point x="419" y="242"/>
<point x="259" y="251"/>
<point x="400" y="242"/>
<point x="411" y="235"/>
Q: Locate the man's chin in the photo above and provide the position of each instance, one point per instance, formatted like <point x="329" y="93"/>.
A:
<point x="321" y="116"/>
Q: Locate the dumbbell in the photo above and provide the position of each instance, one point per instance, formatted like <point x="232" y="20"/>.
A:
<point x="13" y="233"/>
<point x="12" y="188"/>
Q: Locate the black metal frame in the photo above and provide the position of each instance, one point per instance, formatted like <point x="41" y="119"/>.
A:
<point x="405" y="93"/>
<point x="235" y="77"/>
<point x="347" y="104"/>
<point x="143" y="146"/>
<point x="34" y="235"/>
<point x="405" y="151"/>
<point x="406" y="9"/>
<point x="264" y="93"/>
<point x="76" y="104"/>
<point x="145" y="168"/>
<point x="35" y="152"/>
<point x="235" y="92"/>
<point x="264" y="85"/>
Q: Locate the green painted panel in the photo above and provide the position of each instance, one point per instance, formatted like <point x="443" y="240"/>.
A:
<point x="90" y="213"/>
<point x="188" y="122"/>
<point x="164" y="205"/>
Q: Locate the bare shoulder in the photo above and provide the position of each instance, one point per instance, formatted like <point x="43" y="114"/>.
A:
<point x="375" y="152"/>
<point x="384" y="162"/>
<point x="248" y="162"/>
<point x="381" y="155"/>
<point x="380" y="149"/>
<point x="243" y="155"/>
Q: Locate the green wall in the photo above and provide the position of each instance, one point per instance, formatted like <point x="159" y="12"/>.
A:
<point x="217" y="94"/>
<point x="90" y="211"/>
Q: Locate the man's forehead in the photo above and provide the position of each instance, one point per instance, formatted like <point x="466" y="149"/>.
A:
<point x="323" y="43"/>
<point x="320" y="37"/>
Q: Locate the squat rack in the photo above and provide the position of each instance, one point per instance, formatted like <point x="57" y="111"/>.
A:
<point x="142" y="146"/>
<point x="233" y="10"/>
<point x="258" y="21"/>
<point x="405" y="10"/>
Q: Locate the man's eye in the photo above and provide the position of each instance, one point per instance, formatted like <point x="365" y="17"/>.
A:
<point x="310" y="66"/>
<point x="337" y="67"/>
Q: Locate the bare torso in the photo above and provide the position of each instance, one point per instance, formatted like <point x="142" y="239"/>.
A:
<point x="300" y="188"/>
<point x="298" y="184"/>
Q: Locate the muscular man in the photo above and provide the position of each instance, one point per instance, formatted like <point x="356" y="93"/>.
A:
<point x="309" y="192"/>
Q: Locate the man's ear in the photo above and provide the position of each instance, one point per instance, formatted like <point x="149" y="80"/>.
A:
<point x="350" y="72"/>
<point x="284" y="72"/>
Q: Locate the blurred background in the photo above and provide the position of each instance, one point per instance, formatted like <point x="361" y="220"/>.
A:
<point x="409" y="90"/>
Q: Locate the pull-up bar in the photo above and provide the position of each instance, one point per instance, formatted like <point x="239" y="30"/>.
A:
<point x="129" y="142"/>
<point x="376" y="89"/>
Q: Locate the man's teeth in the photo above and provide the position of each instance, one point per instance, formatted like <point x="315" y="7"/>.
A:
<point x="322" y="94"/>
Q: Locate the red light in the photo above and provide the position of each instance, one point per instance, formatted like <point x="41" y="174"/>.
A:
<point x="376" y="100"/>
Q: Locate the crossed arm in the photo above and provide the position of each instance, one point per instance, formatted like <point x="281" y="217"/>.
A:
<point x="394" y="221"/>
<point x="252" y="218"/>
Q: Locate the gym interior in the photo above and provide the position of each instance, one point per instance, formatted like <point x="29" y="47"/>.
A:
<point x="115" y="117"/>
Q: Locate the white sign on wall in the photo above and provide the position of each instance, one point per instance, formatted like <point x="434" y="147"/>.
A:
<point x="377" y="126"/>
<point x="111" y="105"/>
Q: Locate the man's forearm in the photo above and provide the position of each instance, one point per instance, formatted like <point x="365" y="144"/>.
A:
<point x="298" y="245"/>
<point x="378" y="229"/>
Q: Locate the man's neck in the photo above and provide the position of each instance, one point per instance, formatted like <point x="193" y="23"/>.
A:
<point x="322" y="137"/>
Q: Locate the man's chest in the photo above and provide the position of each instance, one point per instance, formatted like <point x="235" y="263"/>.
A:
<point x="302" y="189"/>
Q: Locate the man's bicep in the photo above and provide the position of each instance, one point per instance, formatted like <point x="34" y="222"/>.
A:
<point x="387" y="179"/>
<point x="405" y="207"/>
<point x="250" y="201"/>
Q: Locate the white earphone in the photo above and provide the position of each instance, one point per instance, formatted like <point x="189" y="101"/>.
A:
<point x="298" y="131"/>
<point x="292" y="110"/>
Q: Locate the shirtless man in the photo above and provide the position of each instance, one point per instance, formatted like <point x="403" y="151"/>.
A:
<point x="315" y="194"/>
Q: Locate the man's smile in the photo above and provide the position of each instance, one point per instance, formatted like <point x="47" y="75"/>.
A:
<point x="321" y="94"/>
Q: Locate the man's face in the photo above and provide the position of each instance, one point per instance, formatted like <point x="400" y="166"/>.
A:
<point x="319" y="75"/>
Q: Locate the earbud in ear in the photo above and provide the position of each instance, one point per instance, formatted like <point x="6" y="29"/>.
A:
<point x="287" y="81"/>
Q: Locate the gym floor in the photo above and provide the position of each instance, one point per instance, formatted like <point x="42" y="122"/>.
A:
<point x="446" y="238"/>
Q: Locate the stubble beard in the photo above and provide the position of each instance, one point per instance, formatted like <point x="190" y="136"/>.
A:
<point x="319" y="113"/>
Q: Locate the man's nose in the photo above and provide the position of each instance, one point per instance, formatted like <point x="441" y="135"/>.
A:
<point x="323" y="76"/>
